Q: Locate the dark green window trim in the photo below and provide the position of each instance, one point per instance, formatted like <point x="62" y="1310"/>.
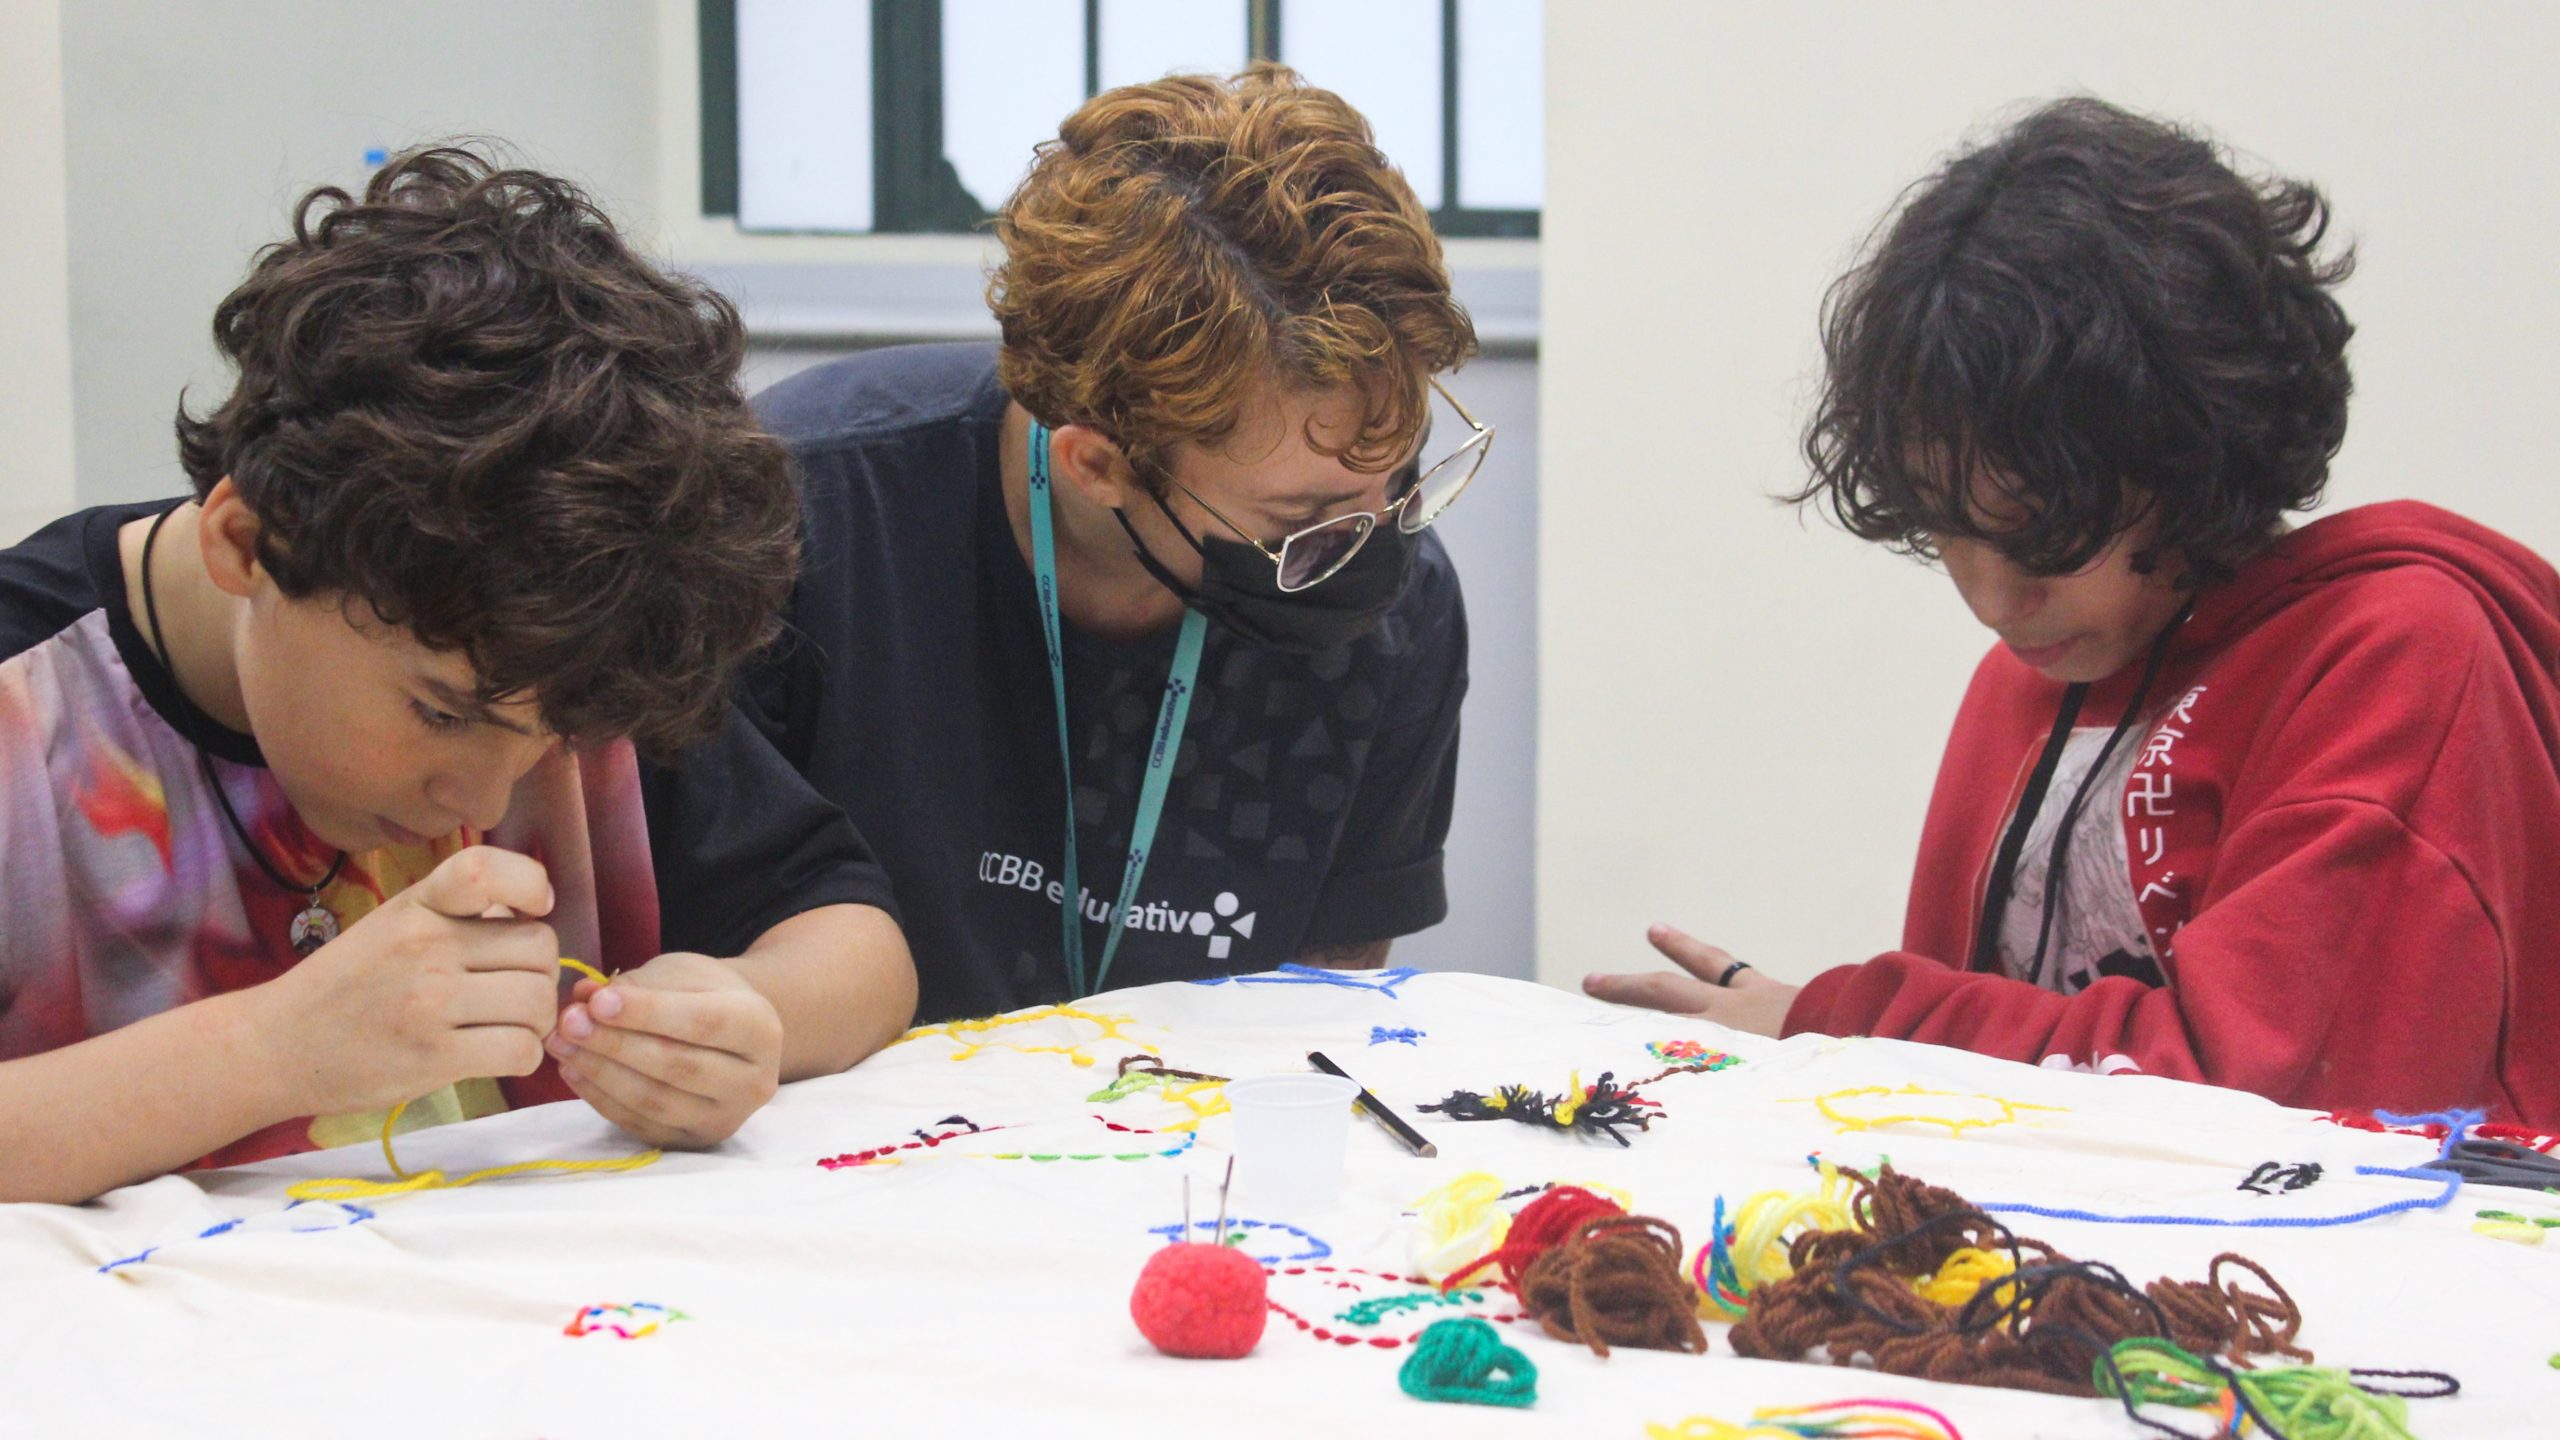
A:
<point x="915" y="189"/>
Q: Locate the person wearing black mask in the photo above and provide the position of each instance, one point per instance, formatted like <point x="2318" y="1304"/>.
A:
<point x="1124" y="642"/>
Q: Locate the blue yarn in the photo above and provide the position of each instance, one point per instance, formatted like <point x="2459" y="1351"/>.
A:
<point x="2456" y="1123"/>
<point x="1293" y="973"/>
<point x="1316" y="1249"/>
<point x="2452" y="1183"/>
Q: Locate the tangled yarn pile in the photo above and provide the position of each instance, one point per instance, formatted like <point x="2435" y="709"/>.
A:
<point x="1877" y="1293"/>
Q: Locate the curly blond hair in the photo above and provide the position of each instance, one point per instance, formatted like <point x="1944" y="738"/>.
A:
<point x="1183" y="244"/>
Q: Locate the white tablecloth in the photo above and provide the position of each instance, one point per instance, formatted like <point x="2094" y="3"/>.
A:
<point x="956" y="1293"/>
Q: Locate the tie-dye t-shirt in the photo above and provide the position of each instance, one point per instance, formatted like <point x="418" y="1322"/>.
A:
<point x="124" y="892"/>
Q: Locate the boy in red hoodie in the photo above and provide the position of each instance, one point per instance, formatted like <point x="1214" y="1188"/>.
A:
<point x="2275" y="808"/>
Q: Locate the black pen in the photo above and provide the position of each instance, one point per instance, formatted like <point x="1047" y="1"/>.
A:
<point x="1378" y="1111"/>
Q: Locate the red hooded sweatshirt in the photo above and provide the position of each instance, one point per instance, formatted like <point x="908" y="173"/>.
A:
<point x="2342" y="837"/>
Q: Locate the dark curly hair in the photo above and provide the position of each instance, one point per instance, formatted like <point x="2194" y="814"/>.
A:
<point x="2095" y="313"/>
<point x="464" y="402"/>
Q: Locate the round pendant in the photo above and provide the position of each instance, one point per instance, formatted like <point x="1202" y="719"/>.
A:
<point x="313" y="928"/>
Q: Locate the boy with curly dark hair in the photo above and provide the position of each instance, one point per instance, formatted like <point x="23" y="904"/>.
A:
<point x="2272" y="807"/>
<point x="308" y="781"/>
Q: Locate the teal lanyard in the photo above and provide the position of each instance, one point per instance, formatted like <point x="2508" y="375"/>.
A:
<point x="1168" y="735"/>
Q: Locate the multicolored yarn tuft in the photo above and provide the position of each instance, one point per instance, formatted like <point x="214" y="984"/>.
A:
<point x="1601" y="1108"/>
<point x="609" y="1320"/>
<point x="1684" y="1057"/>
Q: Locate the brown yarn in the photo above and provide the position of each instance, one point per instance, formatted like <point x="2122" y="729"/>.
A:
<point x="1852" y="1300"/>
<point x="2220" y="1316"/>
<point x="1616" y="1281"/>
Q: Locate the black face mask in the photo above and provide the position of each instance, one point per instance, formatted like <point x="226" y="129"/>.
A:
<point x="1240" y="589"/>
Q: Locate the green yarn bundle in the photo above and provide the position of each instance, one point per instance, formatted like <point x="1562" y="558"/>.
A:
<point x="2303" y="1402"/>
<point x="1465" y="1362"/>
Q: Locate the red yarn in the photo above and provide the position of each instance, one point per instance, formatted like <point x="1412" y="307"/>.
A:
<point x="1538" y="1228"/>
<point x="2524" y="1135"/>
<point x="1201" y="1302"/>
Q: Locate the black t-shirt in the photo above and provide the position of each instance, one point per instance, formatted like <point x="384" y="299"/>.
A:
<point x="1310" y="797"/>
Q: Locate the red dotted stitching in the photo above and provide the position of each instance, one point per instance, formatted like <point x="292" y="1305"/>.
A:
<point x="1318" y="1332"/>
<point x="865" y="1157"/>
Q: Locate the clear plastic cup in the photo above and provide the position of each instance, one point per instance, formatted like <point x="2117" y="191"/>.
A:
<point x="1290" y="1132"/>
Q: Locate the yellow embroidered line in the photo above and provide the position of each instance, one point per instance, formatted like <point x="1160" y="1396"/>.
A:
<point x="1203" y="1098"/>
<point x="1955" y="1125"/>
<point x="342" y="1188"/>
<point x="954" y="1030"/>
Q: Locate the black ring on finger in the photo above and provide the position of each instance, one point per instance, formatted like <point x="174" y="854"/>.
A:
<point x="1736" y="968"/>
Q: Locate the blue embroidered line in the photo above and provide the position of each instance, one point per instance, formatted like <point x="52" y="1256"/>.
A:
<point x="1316" y="1249"/>
<point x="2456" y="1122"/>
<point x="354" y="1215"/>
<point x="1296" y="974"/>
<point x="2452" y="1184"/>
<point x="1381" y="1035"/>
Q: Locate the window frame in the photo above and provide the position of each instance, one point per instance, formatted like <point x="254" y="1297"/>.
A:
<point x="915" y="190"/>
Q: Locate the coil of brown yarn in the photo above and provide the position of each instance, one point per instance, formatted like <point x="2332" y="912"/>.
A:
<point x="2218" y="1315"/>
<point x="1853" y="1294"/>
<point x="1616" y="1281"/>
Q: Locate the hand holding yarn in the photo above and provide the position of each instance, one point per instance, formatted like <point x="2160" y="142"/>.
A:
<point x="448" y="980"/>
<point x="679" y="1051"/>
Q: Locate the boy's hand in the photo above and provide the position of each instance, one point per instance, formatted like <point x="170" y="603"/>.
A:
<point x="679" y="1051"/>
<point x="1749" y="1001"/>
<point x="441" y="983"/>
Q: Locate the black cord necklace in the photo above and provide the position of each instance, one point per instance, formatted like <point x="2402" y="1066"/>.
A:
<point x="2003" y="881"/>
<point x="315" y="925"/>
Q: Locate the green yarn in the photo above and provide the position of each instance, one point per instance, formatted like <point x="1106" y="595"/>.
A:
<point x="2302" y="1402"/>
<point x="1370" y="1312"/>
<point x="1465" y="1361"/>
<point x="2509" y="1217"/>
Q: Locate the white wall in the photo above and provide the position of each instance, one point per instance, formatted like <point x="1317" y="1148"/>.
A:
<point x="1741" y="712"/>
<point x="193" y="125"/>
<point x="35" y="343"/>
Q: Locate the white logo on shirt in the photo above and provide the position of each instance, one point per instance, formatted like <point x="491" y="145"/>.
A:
<point x="1013" y="872"/>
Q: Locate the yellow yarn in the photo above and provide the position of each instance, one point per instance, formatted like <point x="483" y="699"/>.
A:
<point x="341" y="1188"/>
<point x="1708" y="1427"/>
<point x="954" y="1030"/>
<point x="1964" y="1275"/>
<point x="1203" y="1098"/>
<point x="1955" y="1125"/>
<point x="1764" y="1224"/>
<point x="1570" y="1102"/>
<point x="2520" y="1232"/>
<point x="1901" y="1422"/>
<point x="1466" y="1222"/>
